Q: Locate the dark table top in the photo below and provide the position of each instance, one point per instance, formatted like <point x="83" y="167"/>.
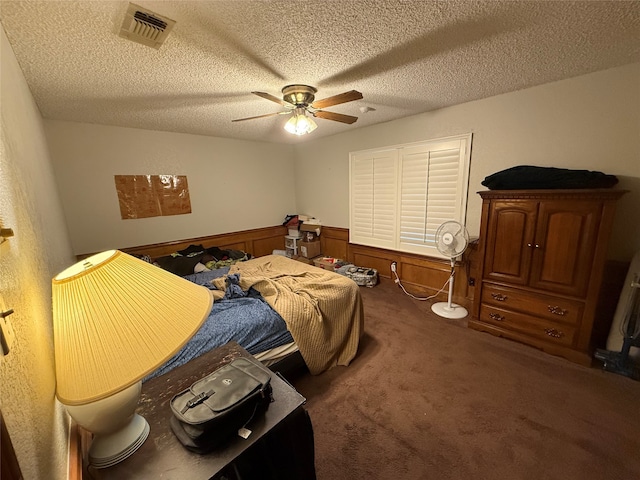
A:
<point x="162" y="455"/>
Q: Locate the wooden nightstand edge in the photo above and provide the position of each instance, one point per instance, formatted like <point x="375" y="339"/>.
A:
<point x="79" y="441"/>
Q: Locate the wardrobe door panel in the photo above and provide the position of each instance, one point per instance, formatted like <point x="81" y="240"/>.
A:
<point x="511" y="231"/>
<point x="566" y="235"/>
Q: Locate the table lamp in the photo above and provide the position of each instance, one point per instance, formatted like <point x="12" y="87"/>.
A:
<point x="116" y="319"/>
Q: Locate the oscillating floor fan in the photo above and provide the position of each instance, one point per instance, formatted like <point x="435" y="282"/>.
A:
<point x="452" y="239"/>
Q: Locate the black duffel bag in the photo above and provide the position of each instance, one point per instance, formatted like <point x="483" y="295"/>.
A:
<point x="529" y="177"/>
<point x="215" y="408"/>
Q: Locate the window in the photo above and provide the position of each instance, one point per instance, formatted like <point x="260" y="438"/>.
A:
<point x="400" y="195"/>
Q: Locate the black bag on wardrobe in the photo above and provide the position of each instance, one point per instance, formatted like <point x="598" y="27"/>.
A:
<point x="528" y="177"/>
<point x="218" y="406"/>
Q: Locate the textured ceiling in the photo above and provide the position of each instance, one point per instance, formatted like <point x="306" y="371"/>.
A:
<point x="406" y="57"/>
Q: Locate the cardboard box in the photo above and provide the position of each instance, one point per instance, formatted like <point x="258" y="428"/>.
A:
<point x="326" y="263"/>
<point x="308" y="261"/>
<point x="311" y="227"/>
<point x="309" y="249"/>
<point x="309" y="237"/>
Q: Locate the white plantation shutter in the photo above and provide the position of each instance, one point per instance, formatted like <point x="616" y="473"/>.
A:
<point x="373" y="198"/>
<point x="400" y="196"/>
<point x="414" y="191"/>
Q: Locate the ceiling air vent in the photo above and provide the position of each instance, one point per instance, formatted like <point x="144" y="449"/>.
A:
<point x="146" y="27"/>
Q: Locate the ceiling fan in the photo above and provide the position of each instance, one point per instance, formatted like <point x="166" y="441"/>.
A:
<point x="298" y="101"/>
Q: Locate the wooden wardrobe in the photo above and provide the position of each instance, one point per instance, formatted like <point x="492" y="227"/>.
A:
<point x="541" y="259"/>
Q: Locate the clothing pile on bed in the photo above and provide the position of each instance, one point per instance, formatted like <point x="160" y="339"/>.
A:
<point x="322" y="310"/>
<point x="272" y="301"/>
<point x="236" y="315"/>
<point x="197" y="258"/>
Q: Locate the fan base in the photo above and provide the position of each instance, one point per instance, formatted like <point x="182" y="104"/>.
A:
<point x="444" y="310"/>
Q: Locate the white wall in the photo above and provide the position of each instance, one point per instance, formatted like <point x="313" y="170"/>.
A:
<point x="590" y="122"/>
<point x="29" y="204"/>
<point x="234" y="185"/>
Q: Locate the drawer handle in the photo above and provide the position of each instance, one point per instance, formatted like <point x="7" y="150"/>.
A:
<point x="496" y="316"/>
<point x="552" y="332"/>
<point x="556" y="310"/>
<point x="499" y="297"/>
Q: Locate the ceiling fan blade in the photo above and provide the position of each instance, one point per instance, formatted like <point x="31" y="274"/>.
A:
<point x="337" y="99"/>
<point x="337" y="117"/>
<point x="268" y="96"/>
<point x="260" y="116"/>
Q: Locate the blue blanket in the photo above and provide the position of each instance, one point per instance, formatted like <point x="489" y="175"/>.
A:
<point x="243" y="317"/>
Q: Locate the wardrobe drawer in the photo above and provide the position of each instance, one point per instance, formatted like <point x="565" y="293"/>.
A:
<point x="545" y="306"/>
<point x="529" y="325"/>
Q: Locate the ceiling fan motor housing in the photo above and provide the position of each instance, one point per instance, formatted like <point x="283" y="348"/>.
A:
<point x="300" y="100"/>
<point x="299" y="94"/>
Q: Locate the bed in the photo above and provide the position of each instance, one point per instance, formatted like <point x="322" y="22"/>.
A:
<point x="284" y="312"/>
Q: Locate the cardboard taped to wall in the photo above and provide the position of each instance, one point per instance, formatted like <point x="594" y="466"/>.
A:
<point x="143" y="196"/>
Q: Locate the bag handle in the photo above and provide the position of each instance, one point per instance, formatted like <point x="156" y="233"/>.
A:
<point x="197" y="400"/>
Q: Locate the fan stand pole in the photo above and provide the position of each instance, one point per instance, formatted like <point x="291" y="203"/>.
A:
<point x="449" y="304"/>
<point x="448" y="309"/>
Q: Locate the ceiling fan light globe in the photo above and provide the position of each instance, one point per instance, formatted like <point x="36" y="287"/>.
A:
<point x="290" y="126"/>
<point x="311" y="125"/>
<point x="300" y="124"/>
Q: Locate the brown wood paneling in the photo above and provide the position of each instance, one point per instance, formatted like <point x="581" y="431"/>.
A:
<point x="258" y="242"/>
<point x="360" y="254"/>
<point x="235" y="246"/>
<point x="422" y="275"/>
<point x="613" y="278"/>
<point x="381" y="264"/>
<point x="429" y="276"/>
<point x="265" y="246"/>
<point x="79" y="442"/>
<point x="469" y="273"/>
<point x="334" y="242"/>
<point x="9" y="467"/>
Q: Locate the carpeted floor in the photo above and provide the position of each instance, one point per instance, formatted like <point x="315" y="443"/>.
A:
<point x="428" y="398"/>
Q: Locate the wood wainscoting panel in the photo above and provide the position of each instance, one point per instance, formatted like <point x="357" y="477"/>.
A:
<point x="242" y="246"/>
<point x="381" y="264"/>
<point x="9" y="467"/>
<point x="421" y="275"/>
<point x="373" y="257"/>
<point x="334" y="242"/>
<point x="427" y="278"/>
<point x="265" y="246"/>
<point x="613" y="278"/>
<point x="258" y="242"/>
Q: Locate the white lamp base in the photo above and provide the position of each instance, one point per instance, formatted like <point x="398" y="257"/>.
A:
<point x="444" y="310"/>
<point x="117" y="430"/>
<point x="109" y="449"/>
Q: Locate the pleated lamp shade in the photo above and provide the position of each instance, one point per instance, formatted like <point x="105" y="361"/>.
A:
<point x="116" y="319"/>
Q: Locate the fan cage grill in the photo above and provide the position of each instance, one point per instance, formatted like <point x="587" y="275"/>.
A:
<point x="458" y="233"/>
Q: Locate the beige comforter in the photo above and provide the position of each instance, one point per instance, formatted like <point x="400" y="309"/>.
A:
<point x="322" y="310"/>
